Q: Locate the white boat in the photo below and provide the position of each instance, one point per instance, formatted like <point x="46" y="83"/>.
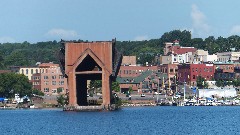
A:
<point x="32" y="106"/>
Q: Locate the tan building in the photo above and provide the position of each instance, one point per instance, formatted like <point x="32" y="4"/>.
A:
<point x="129" y="60"/>
<point x="50" y="79"/>
<point x="228" y="56"/>
<point x="27" y="71"/>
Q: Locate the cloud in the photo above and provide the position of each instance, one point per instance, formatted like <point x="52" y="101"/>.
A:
<point x="6" y="40"/>
<point x="141" y="38"/>
<point x="200" y="27"/>
<point x="235" y="30"/>
<point x="62" y="33"/>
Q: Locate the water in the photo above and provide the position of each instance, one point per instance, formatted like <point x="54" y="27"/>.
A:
<point x="133" y="121"/>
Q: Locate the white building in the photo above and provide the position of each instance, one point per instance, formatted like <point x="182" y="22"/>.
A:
<point x="225" y="92"/>
<point x="201" y="56"/>
<point x="228" y="56"/>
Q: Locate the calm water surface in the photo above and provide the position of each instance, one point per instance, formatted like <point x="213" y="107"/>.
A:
<point x="133" y="121"/>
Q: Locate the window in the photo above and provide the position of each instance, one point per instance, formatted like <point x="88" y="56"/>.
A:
<point x="196" y="69"/>
<point x="46" y="82"/>
<point x="61" y="82"/>
<point x="36" y="70"/>
<point x="192" y="69"/>
<point x="194" y="77"/>
<point x="53" y="82"/>
<point x="31" y="71"/>
<point x="42" y="70"/>
<point x="54" y="77"/>
<point x="26" y="71"/>
<point x="171" y="70"/>
<point x="54" y="90"/>
<point x="36" y="78"/>
<point x="22" y="71"/>
<point x="46" y="89"/>
<point x="45" y="77"/>
<point x="210" y="69"/>
<point x="60" y="89"/>
<point x="61" y="77"/>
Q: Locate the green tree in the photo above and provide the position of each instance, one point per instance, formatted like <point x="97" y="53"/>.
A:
<point x="115" y="86"/>
<point x="59" y="90"/>
<point x="201" y="83"/>
<point x="236" y="82"/>
<point x="95" y="84"/>
<point x="61" y="100"/>
<point x="219" y="83"/>
<point x="130" y="90"/>
<point x="11" y="83"/>
<point x="37" y="92"/>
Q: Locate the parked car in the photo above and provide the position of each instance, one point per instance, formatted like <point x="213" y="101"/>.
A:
<point x="142" y="95"/>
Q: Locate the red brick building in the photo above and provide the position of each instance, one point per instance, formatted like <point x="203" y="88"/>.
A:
<point x="49" y="79"/>
<point x="225" y="67"/>
<point x="175" y="48"/>
<point x="190" y="72"/>
<point x="134" y="71"/>
<point x="170" y="69"/>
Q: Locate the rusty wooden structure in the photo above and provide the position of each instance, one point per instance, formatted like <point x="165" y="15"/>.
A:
<point x="82" y="61"/>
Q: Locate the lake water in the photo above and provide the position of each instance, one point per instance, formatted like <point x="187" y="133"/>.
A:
<point x="134" y="121"/>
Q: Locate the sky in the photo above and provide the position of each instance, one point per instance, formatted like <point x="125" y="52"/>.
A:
<point x="102" y="20"/>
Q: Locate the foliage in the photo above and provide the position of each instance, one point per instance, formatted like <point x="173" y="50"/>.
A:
<point x="11" y="83"/>
<point x="219" y="83"/>
<point x="236" y="82"/>
<point x="37" y="92"/>
<point x="201" y="82"/>
<point x="95" y="84"/>
<point x="61" y="100"/>
<point x="130" y="90"/>
<point x="115" y="86"/>
<point x="59" y="90"/>
<point x="27" y="54"/>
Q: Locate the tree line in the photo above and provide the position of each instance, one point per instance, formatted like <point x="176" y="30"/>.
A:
<point x="27" y="54"/>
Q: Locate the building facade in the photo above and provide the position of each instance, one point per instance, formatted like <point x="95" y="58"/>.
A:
<point x="50" y="79"/>
<point x="189" y="72"/>
<point x="27" y="71"/>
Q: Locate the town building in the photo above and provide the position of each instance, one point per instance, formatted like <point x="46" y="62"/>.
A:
<point x="50" y="79"/>
<point x="170" y="69"/>
<point x="224" y="71"/>
<point x="174" y="53"/>
<point x="175" y="48"/>
<point x="228" y="56"/>
<point x="202" y="56"/>
<point x="129" y="60"/>
<point x="134" y="71"/>
<point x="189" y="72"/>
<point x="27" y="71"/>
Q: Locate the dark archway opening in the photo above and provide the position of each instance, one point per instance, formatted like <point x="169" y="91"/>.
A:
<point x="83" y="74"/>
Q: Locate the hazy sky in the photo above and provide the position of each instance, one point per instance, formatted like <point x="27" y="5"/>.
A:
<point x="44" y="20"/>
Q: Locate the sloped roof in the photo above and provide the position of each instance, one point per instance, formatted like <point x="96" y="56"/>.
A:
<point x="141" y="78"/>
<point x="182" y="50"/>
<point x="134" y="80"/>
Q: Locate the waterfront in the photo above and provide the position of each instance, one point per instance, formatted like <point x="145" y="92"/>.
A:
<point x="132" y="120"/>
